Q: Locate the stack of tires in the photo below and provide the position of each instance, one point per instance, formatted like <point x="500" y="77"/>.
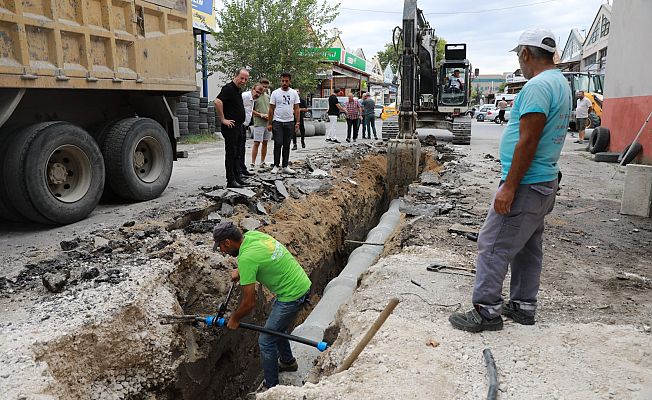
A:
<point x="211" y="117"/>
<point x="182" y="114"/>
<point x="193" y="112"/>
<point x="203" y="115"/>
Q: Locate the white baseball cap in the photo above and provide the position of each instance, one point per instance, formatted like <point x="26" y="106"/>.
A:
<point x="535" y="37"/>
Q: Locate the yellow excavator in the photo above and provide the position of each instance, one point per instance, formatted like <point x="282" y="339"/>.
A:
<point x="592" y="85"/>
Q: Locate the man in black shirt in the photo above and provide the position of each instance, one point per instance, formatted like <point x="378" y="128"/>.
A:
<point x="334" y="110"/>
<point x="230" y="109"/>
<point x="302" y="128"/>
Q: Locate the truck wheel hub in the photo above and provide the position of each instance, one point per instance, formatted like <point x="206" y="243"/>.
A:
<point x="139" y="159"/>
<point x="57" y="173"/>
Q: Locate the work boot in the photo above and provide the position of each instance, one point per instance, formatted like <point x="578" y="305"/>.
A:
<point x="294" y="147"/>
<point x="512" y="310"/>
<point x="241" y="181"/>
<point x="303" y="145"/>
<point x="472" y="321"/>
<point x="233" y="184"/>
<point x="288" y="367"/>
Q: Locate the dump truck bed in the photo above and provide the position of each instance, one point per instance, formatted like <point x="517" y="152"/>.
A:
<point x="97" y="44"/>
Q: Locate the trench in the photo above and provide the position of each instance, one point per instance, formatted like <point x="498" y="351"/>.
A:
<point x="225" y="364"/>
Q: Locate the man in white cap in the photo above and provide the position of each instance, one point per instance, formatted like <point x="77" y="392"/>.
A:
<point x="512" y="234"/>
<point x="263" y="259"/>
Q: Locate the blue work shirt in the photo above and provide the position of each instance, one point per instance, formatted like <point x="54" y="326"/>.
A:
<point x="547" y="93"/>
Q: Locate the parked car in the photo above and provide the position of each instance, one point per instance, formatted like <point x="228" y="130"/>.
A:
<point x="481" y="114"/>
<point x="492" y="115"/>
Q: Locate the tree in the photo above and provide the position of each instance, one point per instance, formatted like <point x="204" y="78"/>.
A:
<point x="272" y="36"/>
<point x="391" y="56"/>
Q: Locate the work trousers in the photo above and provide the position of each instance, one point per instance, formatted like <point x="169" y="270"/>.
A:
<point x="274" y="348"/>
<point x="282" y="132"/>
<point x="513" y="240"/>
<point x="352" y="124"/>
<point x="231" y="147"/>
<point x="370" y="123"/>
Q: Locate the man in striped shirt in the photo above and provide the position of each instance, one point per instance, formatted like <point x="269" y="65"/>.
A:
<point x="353" y="117"/>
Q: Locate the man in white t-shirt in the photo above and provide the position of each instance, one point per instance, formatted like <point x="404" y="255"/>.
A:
<point x="283" y="112"/>
<point x="248" y="99"/>
<point x="581" y="115"/>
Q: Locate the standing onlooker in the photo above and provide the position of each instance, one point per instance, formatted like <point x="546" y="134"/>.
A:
<point x="261" y="134"/>
<point x="230" y="109"/>
<point x="283" y="112"/>
<point x="581" y="114"/>
<point x="302" y="128"/>
<point x="334" y="110"/>
<point x="512" y="234"/>
<point x="248" y="99"/>
<point x="353" y="115"/>
<point x="502" y="107"/>
<point x="369" y="106"/>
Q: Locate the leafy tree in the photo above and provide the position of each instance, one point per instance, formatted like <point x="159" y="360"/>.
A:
<point x="391" y="55"/>
<point x="272" y="36"/>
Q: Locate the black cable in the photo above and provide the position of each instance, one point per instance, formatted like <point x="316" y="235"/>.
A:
<point x="492" y="394"/>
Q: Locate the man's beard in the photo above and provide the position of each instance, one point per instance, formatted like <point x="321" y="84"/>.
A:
<point x="234" y="252"/>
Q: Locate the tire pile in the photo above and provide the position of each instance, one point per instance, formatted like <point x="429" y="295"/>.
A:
<point x="196" y="114"/>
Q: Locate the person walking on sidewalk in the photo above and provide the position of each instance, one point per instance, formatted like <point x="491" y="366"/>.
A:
<point x="262" y="259"/>
<point x="302" y="127"/>
<point x="261" y="134"/>
<point x="230" y="109"/>
<point x="334" y="110"/>
<point x="502" y="107"/>
<point x="369" y="106"/>
<point x="283" y="112"/>
<point x="512" y="234"/>
<point x="248" y="99"/>
<point x="581" y="115"/>
<point x="353" y="116"/>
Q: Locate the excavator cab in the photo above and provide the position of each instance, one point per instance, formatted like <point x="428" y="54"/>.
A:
<point x="454" y="80"/>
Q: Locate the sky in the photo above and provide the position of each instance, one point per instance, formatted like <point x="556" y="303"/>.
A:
<point x="489" y="35"/>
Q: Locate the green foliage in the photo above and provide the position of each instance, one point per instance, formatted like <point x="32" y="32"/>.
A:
<point x="391" y="55"/>
<point x="272" y="36"/>
<point x="197" y="138"/>
<point x="501" y="88"/>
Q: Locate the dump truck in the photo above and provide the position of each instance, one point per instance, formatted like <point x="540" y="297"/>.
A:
<point x="88" y="91"/>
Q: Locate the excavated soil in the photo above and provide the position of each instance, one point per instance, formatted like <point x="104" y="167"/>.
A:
<point x="97" y="332"/>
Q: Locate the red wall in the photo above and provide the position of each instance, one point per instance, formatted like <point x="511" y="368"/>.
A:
<point x="624" y="117"/>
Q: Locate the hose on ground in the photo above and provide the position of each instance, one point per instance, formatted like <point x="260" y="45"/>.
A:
<point x="493" y="375"/>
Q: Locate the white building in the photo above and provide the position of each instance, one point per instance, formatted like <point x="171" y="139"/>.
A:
<point x="594" y="50"/>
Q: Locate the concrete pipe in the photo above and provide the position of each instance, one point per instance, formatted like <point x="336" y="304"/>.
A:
<point x="310" y="130"/>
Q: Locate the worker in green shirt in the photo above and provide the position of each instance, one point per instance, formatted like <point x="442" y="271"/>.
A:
<point x="263" y="259"/>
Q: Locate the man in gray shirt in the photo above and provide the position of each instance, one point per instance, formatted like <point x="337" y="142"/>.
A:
<point x="368" y="106"/>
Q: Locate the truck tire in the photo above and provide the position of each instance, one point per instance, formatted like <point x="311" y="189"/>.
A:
<point x="57" y="173"/>
<point x="599" y="140"/>
<point x="138" y="156"/>
<point x="632" y="155"/>
<point x="607" y="157"/>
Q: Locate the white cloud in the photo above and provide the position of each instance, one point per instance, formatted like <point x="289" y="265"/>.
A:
<point x="489" y="36"/>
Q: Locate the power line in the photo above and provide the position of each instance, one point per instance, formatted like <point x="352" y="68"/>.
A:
<point x="454" y="12"/>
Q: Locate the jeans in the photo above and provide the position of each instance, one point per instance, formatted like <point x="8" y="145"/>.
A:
<point x="355" y="124"/>
<point x="274" y="348"/>
<point x="370" y="123"/>
<point x="282" y="132"/>
<point x="515" y="241"/>
<point x="231" y="147"/>
<point x="240" y="162"/>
